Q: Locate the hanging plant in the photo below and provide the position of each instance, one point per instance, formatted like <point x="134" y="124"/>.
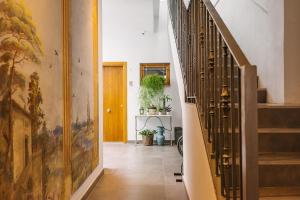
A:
<point x="152" y="88"/>
<point x="154" y="82"/>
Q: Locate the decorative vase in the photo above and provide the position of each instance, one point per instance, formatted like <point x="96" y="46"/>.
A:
<point x="148" y="140"/>
<point x="160" y="138"/>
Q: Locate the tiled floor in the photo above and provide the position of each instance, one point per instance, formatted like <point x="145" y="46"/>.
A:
<point x="139" y="173"/>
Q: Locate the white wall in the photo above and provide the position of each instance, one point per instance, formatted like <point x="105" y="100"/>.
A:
<point x="197" y="175"/>
<point x="258" y="27"/>
<point x="187" y="2"/>
<point x="123" y="25"/>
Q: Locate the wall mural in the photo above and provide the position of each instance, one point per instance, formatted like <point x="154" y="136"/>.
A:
<point x="32" y="100"/>
<point x="83" y="127"/>
<point x="31" y="110"/>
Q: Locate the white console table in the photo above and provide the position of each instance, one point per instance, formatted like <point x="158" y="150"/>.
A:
<point x="148" y="117"/>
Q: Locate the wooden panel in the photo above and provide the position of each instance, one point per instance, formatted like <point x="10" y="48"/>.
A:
<point x="143" y="66"/>
<point x="83" y="90"/>
<point x="113" y="106"/>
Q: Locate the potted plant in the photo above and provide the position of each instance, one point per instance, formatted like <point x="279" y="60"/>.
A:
<point x="161" y="111"/>
<point x="152" y="110"/>
<point x="168" y="109"/>
<point x="165" y="98"/>
<point x="147" y="135"/>
<point x="151" y="90"/>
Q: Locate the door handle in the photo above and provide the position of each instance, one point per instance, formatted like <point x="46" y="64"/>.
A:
<point x="108" y="110"/>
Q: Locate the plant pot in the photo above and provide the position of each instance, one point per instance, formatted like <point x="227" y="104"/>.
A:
<point x="160" y="138"/>
<point x="148" y="140"/>
<point x="162" y="113"/>
<point x="168" y="113"/>
<point x="152" y="111"/>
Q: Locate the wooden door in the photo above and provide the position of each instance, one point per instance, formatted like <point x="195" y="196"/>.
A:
<point x="113" y="108"/>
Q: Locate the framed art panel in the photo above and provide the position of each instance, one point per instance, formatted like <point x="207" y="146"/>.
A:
<point x="83" y="90"/>
<point x="162" y="69"/>
<point x="31" y="99"/>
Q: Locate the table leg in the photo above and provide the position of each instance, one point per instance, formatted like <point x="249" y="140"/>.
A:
<point x="135" y="131"/>
<point x="171" y="138"/>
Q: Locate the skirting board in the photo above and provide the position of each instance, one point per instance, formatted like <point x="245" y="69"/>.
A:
<point x="86" y="188"/>
<point x="186" y="191"/>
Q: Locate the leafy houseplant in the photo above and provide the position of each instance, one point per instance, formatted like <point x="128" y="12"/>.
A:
<point x="161" y="111"/>
<point x="151" y="91"/>
<point x="152" y="110"/>
<point x="147" y="135"/>
<point x="165" y="98"/>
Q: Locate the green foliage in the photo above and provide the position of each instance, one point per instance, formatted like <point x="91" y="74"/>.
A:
<point x="153" y="82"/>
<point x="148" y="132"/>
<point x="152" y="88"/>
<point x="165" y="98"/>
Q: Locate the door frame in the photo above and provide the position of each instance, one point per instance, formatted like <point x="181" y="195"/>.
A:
<point x="124" y="95"/>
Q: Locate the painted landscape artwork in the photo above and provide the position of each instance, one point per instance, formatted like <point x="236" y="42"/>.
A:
<point x="31" y="100"/>
<point x="83" y="126"/>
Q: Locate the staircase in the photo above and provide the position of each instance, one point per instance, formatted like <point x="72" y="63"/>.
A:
<point x="253" y="146"/>
<point x="279" y="151"/>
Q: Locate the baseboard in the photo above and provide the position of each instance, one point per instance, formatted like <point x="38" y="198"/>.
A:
<point x="86" y="188"/>
<point x="186" y="191"/>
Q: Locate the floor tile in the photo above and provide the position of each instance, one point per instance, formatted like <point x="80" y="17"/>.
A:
<point x="136" y="172"/>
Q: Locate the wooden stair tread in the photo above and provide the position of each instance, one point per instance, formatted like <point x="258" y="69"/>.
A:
<point x="289" y="158"/>
<point x="275" y="105"/>
<point x="278" y="130"/>
<point x="282" y="193"/>
<point x="281" y="198"/>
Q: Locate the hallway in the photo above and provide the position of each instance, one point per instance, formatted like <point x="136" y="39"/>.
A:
<point x="139" y="173"/>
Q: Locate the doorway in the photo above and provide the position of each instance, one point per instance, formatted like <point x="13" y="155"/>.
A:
<point x="115" y="102"/>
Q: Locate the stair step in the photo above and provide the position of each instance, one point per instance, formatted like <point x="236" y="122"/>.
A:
<point x="281" y="198"/>
<point x="279" y="193"/>
<point x="279" y="169"/>
<point x="279" y="139"/>
<point x="261" y="95"/>
<point x="278" y="115"/>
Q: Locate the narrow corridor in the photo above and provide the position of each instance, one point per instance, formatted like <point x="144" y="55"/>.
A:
<point x="139" y="173"/>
